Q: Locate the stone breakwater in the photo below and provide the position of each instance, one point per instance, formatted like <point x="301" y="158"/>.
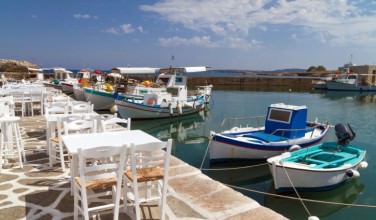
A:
<point x="255" y="83"/>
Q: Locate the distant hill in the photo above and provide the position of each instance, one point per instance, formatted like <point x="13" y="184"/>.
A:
<point x="16" y="65"/>
<point x="291" y="70"/>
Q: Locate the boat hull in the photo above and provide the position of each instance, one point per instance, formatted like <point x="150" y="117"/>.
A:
<point x="141" y="111"/>
<point x="79" y="93"/>
<point x="101" y="100"/>
<point x="67" y="87"/>
<point x="222" y="147"/>
<point x="338" y="86"/>
<point x="308" y="180"/>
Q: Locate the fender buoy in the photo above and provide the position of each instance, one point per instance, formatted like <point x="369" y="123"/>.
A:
<point x="352" y="173"/>
<point x="171" y="109"/>
<point x="294" y="148"/>
<point x="151" y="101"/>
<point x="179" y="107"/>
<point x="114" y="109"/>
<point x="363" y="164"/>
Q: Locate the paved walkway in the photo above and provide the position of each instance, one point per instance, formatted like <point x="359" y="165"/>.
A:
<point x="40" y="192"/>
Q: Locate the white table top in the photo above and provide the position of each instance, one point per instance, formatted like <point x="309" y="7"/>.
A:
<point x="9" y="118"/>
<point x="57" y="117"/>
<point x="118" y="138"/>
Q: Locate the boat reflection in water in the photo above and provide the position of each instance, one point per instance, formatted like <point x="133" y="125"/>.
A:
<point x="188" y="133"/>
<point x="346" y="193"/>
<point x="364" y="97"/>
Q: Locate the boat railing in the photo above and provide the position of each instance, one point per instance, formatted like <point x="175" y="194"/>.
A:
<point x="281" y="132"/>
<point x="242" y="122"/>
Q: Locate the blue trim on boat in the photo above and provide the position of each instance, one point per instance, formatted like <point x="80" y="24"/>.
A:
<point x="262" y="146"/>
<point x="99" y="93"/>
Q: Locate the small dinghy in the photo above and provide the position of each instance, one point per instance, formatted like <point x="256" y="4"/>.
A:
<point x="285" y="126"/>
<point x="320" y="167"/>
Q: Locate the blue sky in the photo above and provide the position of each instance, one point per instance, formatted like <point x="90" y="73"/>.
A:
<point x="240" y="34"/>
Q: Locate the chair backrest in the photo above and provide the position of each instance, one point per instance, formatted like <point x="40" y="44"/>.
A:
<point x="108" y="166"/>
<point x="151" y="155"/>
<point x="112" y="124"/>
<point x="55" y="109"/>
<point x="80" y="126"/>
<point x="17" y="96"/>
<point x="6" y="106"/>
<point x="60" y="98"/>
<point x="82" y="108"/>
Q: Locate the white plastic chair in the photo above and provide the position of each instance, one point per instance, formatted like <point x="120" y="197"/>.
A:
<point x="71" y="125"/>
<point x="106" y="173"/>
<point x="82" y="108"/>
<point x="148" y="176"/>
<point x="37" y="100"/>
<point x="116" y="124"/>
<point x="20" y="102"/>
<point x="60" y="98"/>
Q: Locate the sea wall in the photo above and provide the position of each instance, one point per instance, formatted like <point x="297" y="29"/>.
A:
<point x="254" y="83"/>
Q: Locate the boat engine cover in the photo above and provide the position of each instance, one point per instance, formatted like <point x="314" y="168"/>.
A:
<point x="344" y="134"/>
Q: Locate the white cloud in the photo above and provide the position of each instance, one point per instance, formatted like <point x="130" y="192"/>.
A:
<point x="112" y="30"/>
<point x="85" y="16"/>
<point x="34" y="16"/>
<point x="140" y="29"/>
<point x="333" y="21"/>
<point x="205" y="41"/>
<point x="127" y="28"/>
<point x="194" y="41"/>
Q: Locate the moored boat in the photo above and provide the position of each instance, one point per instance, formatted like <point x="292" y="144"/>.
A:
<point x="320" y="167"/>
<point x="350" y="82"/>
<point x="172" y="103"/>
<point x="285" y="126"/>
<point x="102" y="99"/>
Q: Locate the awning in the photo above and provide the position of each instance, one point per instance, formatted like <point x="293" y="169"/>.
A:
<point x="135" y="70"/>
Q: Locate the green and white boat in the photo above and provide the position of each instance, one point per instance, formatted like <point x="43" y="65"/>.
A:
<point x="320" y="167"/>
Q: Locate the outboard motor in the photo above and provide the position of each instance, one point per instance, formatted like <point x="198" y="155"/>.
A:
<point x="344" y="134"/>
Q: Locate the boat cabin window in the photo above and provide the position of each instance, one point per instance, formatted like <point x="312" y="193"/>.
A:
<point x="179" y="79"/>
<point x="352" y="77"/>
<point x="280" y="115"/>
<point x="163" y="80"/>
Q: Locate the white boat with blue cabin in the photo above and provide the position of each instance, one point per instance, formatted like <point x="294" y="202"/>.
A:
<point x="320" y="167"/>
<point x="285" y="126"/>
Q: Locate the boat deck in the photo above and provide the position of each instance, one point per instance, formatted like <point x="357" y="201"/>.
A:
<point x="40" y="192"/>
<point x="324" y="159"/>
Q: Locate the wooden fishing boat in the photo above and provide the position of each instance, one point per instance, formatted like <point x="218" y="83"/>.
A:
<point x="320" y="167"/>
<point x="173" y="103"/>
<point x="285" y="126"/>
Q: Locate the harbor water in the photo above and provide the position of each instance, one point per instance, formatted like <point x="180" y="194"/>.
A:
<point x="191" y="137"/>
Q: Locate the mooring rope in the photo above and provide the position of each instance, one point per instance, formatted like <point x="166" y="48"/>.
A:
<point x="203" y="159"/>
<point x="296" y="191"/>
<point x="304" y="199"/>
<point x="234" y="168"/>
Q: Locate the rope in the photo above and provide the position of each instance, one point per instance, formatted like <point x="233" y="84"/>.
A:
<point x="296" y="191"/>
<point x="303" y="199"/>
<point x="203" y="159"/>
<point x="234" y="168"/>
